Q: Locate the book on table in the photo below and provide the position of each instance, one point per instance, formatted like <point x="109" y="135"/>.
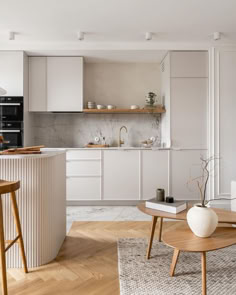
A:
<point x="174" y="208"/>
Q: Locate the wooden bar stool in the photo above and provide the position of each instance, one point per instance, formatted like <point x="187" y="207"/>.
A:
<point x="5" y="188"/>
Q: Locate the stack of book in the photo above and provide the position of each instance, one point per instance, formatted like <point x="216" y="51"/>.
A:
<point x="174" y="208"/>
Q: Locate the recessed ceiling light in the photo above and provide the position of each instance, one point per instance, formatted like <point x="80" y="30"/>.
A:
<point x="148" y="36"/>
<point x="80" y="36"/>
<point x="11" y="35"/>
<point x="216" y="36"/>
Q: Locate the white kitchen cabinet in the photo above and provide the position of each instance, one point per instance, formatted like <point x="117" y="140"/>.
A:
<point x="38" y="84"/>
<point x="189" y="64"/>
<point x="87" y="167"/>
<point x="184" y="166"/>
<point x="65" y="84"/>
<point x="154" y="172"/>
<point x="121" y="175"/>
<point x="84" y="174"/>
<point x="184" y="77"/>
<point x="189" y="112"/>
<point x="56" y="84"/>
<point x="83" y="188"/>
<point x="12" y="72"/>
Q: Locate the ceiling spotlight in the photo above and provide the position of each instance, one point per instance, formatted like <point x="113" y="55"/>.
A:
<point x="148" y="36"/>
<point x="80" y="36"/>
<point x="216" y="36"/>
<point x="12" y="35"/>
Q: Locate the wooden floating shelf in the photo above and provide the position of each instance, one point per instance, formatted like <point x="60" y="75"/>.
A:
<point x="158" y="110"/>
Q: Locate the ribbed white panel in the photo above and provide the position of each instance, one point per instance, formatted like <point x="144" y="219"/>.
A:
<point x="42" y="207"/>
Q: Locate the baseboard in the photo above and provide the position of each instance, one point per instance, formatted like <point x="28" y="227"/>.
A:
<point x="222" y="204"/>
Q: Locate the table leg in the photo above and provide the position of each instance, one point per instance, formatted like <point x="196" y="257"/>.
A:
<point x="174" y="262"/>
<point x="204" y="287"/>
<point x="160" y="228"/>
<point x="154" y="222"/>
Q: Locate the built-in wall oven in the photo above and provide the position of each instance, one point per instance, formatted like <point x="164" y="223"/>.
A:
<point x="11" y="108"/>
<point x="11" y="121"/>
<point x="12" y="133"/>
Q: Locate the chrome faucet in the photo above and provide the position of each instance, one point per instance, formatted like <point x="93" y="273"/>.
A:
<point x="120" y="142"/>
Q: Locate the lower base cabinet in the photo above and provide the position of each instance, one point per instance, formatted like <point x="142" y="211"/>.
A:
<point x="121" y="175"/>
<point x="154" y="173"/>
<point x="185" y="166"/>
<point x="132" y="175"/>
<point x="83" y="188"/>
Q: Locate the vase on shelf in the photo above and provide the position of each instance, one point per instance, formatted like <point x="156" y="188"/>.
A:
<point x="202" y="220"/>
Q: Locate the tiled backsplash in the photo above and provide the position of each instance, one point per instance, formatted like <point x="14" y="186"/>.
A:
<point x="76" y="130"/>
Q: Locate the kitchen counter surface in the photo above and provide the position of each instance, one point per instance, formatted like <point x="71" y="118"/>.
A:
<point x="108" y="148"/>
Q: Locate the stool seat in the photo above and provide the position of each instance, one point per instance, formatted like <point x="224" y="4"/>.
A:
<point x="8" y="186"/>
<point x="5" y="188"/>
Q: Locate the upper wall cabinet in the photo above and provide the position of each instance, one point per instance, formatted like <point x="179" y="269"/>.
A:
<point x="56" y="84"/>
<point x="11" y="74"/>
<point x="192" y="64"/>
<point x="38" y="84"/>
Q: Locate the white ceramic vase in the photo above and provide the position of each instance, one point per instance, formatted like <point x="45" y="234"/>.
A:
<point x="202" y="221"/>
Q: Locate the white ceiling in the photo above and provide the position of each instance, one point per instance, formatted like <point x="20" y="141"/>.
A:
<point x="116" y="20"/>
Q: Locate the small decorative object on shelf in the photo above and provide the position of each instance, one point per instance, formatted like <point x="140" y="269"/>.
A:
<point x="169" y="200"/>
<point x="91" y="105"/>
<point x="149" y="142"/>
<point x="201" y="219"/>
<point x="160" y="195"/>
<point x="150" y="99"/>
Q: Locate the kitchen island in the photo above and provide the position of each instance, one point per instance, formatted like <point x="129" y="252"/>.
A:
<point x="42" y="205"/>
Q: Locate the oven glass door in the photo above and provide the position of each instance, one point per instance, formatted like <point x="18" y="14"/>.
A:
<point x="12" y="138"/>
<point x="11" y="111"/>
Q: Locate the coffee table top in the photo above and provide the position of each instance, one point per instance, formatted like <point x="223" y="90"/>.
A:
<point x="183" y="239"/>
<point x="224" y="216"/>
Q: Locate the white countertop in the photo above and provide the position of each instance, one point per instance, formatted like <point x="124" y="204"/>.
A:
<point x="108" y="148"/>
<point x="45" y="154"/>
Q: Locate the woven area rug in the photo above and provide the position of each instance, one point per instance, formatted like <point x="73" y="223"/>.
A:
<point x="139" y="276"/>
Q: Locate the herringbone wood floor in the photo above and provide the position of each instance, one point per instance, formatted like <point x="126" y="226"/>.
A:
<point x="86" y="264"/>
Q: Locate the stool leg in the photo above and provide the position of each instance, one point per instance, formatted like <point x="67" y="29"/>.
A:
<point x="2" y="253"/>
<point x="18" y="229"/>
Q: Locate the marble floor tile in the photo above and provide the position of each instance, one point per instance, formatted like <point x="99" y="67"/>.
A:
<point x="104" y="213"/>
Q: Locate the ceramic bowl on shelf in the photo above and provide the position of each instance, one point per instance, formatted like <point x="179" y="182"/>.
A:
<point x="101" y="107"/>
<point x="111" y="107"/>
<point x="91" y="105"/>
<point x="134" y="107"/>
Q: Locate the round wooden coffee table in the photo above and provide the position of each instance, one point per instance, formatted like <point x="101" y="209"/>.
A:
<point x="224" y="216"/>
<point x="182" y="239"/>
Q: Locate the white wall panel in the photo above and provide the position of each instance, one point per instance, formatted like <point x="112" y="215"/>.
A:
<point x="226" y="120"/>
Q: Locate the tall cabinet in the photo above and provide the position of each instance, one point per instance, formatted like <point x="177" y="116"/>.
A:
<point x="184" y="125"/>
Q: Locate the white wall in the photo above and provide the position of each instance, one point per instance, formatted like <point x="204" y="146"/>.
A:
<point x="121" y="84"/>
